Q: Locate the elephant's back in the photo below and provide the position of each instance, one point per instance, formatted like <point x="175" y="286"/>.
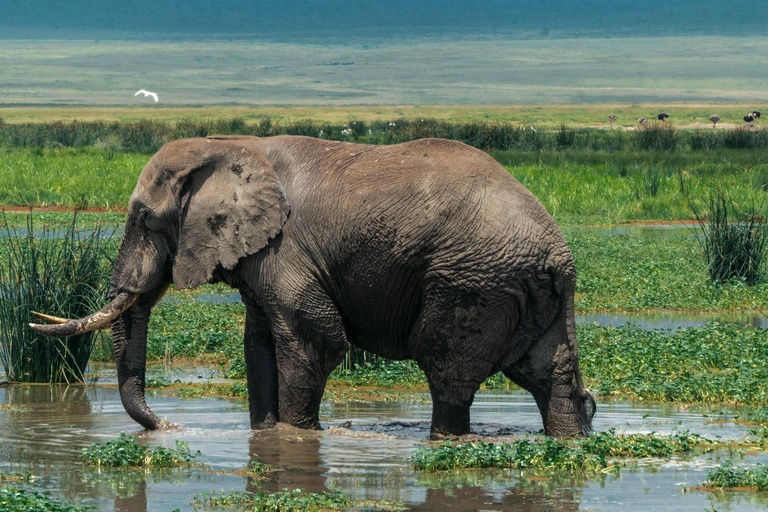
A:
<point x="430" y="196"/>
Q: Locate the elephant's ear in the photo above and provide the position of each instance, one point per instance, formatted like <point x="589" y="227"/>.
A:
<point x="232" y="203"/>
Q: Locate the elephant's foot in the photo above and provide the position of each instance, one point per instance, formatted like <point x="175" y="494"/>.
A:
<point x="265" y="422"/>
<point x="449" y="421"/>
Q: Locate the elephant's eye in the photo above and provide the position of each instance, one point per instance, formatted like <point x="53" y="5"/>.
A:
<point x="149" y="220"/>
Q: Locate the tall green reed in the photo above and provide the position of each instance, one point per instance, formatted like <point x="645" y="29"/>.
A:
<point x="147" y="136"/>
<point x="56" y="270"/>
<point x="734" y="240"/>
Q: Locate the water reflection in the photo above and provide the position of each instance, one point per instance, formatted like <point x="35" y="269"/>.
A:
<point x="636" y="230"/>
<point x="44" y="429"/>
<point x="662" y="320"/>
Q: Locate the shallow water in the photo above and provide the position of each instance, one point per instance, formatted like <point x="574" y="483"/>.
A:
<point x="669" y="320"/>
<point x="45" y="428"/>
<point x="638" y="230"/>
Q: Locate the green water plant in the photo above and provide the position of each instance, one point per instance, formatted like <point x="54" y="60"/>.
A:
<point x="729" y="476"/>
<point x="713" y="364"/>
<point x="59" y="271"/>
<point x="126" y="452"/>
<point x="597" y="453"/>
<point x="296" y="500"/>
<point x="17" y="499"/>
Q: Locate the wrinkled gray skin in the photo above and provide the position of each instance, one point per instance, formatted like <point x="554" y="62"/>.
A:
<point x="427" y="250"/>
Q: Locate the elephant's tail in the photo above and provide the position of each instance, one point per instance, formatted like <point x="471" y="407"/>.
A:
<point x="583" y="401"/>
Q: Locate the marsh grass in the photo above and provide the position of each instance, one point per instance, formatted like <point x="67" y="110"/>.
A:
<point x="656" y="137"/>
<point x="734" y="240"/>
<point x="62" y="273"/>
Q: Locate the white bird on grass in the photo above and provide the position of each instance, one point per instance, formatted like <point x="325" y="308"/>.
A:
<point x="147" y="93"/>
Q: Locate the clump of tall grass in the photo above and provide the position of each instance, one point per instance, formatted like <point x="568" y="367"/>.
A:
<point x="61" y="272"/>
<point x="734" y="241"/>
<point x="565" y="137"/>
<point x="656" y="136"/>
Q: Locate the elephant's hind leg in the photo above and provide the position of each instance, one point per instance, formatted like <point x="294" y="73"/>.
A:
<point x="457" y="345"/>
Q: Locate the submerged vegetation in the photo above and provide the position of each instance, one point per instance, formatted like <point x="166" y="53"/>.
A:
<point x="125" y="452"/>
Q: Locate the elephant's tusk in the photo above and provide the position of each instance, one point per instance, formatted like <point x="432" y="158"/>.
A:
<point x="50" y="318"/>
<point x="101" y="319"/>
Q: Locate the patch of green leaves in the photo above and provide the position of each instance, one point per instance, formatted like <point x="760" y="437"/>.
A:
<point x="588" y="455"/>
<point x="126" y="452"/>
<point x="631" y="273"/>
<point x="717" y="363"/>
<point x="15" y="499"/>
<point x="382" y="373"/>
<point x="296" y="500"/>
<point x="728" y="476"/>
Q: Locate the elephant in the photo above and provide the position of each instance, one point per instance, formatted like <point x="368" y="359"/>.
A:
<point x="426" y="250"/>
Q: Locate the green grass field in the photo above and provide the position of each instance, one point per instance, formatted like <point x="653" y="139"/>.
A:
<point x="577" y="186"/>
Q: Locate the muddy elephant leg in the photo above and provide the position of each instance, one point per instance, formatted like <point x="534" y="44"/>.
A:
<point x="261" y="368"/>
<point x="310" y="342"/>
<point x="456" y="346"/>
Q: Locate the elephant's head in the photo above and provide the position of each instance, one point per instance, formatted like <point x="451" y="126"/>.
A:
<point x="200" y="205"/>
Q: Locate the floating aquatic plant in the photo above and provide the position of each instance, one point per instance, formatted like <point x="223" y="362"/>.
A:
<point x="125" y="452"/>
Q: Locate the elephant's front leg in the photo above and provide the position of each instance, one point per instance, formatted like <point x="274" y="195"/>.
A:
<point x="261" y="369"/>
<point x="310" y="342"/>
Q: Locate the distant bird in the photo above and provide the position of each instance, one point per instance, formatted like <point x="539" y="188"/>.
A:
<point x="612" y="119"/>
<point x="749" y="118"/>
<point x="662" y="117"/>
<point x="756" y="114"/>
<point x="642" y="120"/>
<point x="147" y="93"/>
<point x="714" y="118"/>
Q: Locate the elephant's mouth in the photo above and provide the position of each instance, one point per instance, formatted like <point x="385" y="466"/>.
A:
<point x="101" y="319"/>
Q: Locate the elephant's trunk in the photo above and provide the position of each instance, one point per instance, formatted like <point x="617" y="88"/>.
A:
<point x="129" y="333"/>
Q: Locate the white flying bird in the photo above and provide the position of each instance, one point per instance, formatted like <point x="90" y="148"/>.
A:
<point x="147" y="93"/>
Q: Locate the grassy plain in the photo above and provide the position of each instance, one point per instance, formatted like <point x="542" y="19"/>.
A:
<point x="492" y="70"/>
<point x="544" y="116"/>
